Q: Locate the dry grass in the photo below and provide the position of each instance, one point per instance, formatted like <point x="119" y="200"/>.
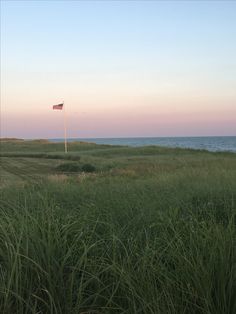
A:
<point x="58" y="178"/>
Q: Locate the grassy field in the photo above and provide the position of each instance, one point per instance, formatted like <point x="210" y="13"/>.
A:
<point x="152" y="230"/>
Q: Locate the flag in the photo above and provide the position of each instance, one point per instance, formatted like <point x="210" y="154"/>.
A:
<point x="58" y="107"/>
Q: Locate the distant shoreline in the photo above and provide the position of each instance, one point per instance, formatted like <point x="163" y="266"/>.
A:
<point x="209" y="143"/>
<point x="216" y="143"/>
<point x="124" y="137"/>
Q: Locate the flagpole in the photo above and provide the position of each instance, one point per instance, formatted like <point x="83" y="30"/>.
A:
<point x="65" y="133"/>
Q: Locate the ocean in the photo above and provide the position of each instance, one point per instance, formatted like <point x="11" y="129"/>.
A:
<point x="211" y="143"/>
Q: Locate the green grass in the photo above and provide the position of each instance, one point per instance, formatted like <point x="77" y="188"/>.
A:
<point x="153" y="230"/>
<point x="44" y="146"/>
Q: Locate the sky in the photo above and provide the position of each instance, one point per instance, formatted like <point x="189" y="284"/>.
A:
<point x="122" y="68"/>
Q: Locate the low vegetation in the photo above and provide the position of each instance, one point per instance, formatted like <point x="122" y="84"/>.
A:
<point x="69" y="167"/>
<point x="42" y="155"/>
<point x="75" y="167"/>
<point x="152" y="230"/>
<point x="88" y="168"/>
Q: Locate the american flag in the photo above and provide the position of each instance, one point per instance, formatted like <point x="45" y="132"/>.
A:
<point x="57" y="107"/>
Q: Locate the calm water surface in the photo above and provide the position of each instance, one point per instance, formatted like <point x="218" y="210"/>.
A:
<point x="219" y="143"/>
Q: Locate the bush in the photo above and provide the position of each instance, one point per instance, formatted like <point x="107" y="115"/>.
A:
<point x="69" y="167"/>
<point x="75" y="167"/>
<point x="88" y="168"/>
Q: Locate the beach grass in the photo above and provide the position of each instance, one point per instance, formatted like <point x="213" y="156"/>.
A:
<point x="151" y="230"/>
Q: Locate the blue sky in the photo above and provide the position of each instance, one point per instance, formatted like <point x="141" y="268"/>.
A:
<point x="125" y="68"/>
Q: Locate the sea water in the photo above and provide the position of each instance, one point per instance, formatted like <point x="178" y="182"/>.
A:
<point x="211" y="143"/>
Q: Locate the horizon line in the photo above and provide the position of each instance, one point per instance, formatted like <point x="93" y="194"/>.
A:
<point x="124" y="137"/>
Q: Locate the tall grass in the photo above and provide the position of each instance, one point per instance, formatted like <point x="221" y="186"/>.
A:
<point x="152" y="231"/>
<point x="120" y="244"/>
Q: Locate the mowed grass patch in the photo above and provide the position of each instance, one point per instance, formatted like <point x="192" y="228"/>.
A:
<point x="24" y="170"/>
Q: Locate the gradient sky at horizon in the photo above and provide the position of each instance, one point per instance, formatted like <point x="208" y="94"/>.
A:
<point x="136" y="68"/>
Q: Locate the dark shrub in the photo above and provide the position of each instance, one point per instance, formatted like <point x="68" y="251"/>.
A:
<point x="72" y="157"/>
<point x="69" y="167"/>
<point x="88" y="168"/>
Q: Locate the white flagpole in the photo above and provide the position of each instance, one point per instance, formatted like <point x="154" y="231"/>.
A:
<point x="65" y="133"/>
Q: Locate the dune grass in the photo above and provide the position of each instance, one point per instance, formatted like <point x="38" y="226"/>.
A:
<point x="152" y="231"/>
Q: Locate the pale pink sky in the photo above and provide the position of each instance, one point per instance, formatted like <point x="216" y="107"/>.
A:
<point x="123" y="69"/>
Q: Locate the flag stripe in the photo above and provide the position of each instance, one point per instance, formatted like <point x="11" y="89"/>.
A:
<point x="59" y="107"/>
